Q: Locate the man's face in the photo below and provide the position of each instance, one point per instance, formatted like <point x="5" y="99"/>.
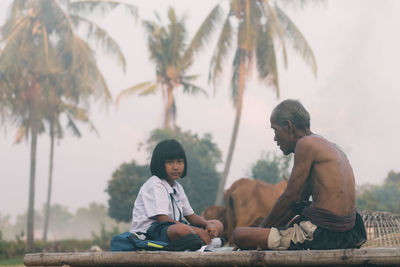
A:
<point x="283" y="138"/>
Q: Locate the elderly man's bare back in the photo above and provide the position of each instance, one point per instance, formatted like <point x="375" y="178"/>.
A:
<point x="331" y="178"/>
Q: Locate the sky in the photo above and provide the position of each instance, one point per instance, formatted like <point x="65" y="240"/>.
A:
<point x="354" y="101"/>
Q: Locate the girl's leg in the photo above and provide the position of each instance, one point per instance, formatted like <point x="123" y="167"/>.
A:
<point x="178" y="230"/>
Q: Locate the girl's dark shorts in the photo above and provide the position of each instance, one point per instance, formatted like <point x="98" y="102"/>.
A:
<point x="158" y="231"/>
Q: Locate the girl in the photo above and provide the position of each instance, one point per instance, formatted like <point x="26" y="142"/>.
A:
<point x="161" y="202"/>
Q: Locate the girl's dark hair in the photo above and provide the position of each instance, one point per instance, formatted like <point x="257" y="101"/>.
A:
<point x="166" y="150"/>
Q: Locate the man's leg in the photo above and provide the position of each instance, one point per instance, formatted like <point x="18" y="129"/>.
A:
<point x="251" y="237"/>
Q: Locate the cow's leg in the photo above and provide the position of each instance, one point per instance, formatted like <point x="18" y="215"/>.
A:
<point x="251" y="237"/>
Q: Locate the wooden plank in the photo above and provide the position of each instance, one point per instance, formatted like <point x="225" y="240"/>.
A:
<point x="364" y="257"/>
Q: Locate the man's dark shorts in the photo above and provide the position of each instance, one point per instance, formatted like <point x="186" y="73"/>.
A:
<point x="158" y="231"/>
<point x="306" y="235"/>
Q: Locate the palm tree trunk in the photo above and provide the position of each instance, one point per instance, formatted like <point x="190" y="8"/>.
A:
<point x="239" y="107"/>
<point x="168" y="106"/>
<point x="47" y="211"/>
<point x="31" y="203"/>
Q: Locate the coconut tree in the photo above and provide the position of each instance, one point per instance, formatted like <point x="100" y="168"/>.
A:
<point x="167" y="45"/>
<point x="73" y="114"/>
<point x="255" y="30"/>
<point x="40" y="43"/>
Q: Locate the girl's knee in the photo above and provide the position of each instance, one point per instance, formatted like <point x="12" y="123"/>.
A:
<point x="178" y="230"/>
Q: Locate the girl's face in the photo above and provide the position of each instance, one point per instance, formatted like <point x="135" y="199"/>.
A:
<point x="174" y="169"/>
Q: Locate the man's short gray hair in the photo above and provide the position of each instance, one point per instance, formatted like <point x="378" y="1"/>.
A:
<point x="294" y="111"/>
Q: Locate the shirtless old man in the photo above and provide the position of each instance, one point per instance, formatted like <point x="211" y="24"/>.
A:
<point x="321" y="170"/>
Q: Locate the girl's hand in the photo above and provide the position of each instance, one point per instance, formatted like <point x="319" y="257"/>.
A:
<point x="211" y="229"/>
<point x="203" y="234"/>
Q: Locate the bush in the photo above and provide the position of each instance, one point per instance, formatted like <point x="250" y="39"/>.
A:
<point x="104" y="238"/>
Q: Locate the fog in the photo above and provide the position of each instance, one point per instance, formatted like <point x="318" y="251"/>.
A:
<point x="354" y="101"/>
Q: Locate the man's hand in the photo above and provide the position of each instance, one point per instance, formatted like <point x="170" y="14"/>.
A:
<point x="295" y="219"/>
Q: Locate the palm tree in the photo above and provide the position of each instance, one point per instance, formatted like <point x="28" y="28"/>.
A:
<point x="167" y="46"/>
<point x="40" y="44"/>
<point x="256" y="26"/>
<point x="73" y="114"/>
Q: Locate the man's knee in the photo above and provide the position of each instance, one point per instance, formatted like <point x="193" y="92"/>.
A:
<point x="239" y="235"/>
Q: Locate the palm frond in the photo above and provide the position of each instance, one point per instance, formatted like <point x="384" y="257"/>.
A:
<point x="59" y="129"/>
<point x="301" y="3"/>
<point x="191" y="77"/>
<point x="46" y="46"/>
<point x="176" y="44"/>
<point x="105" y="91"/>
<point x="20" y="25"/>
<point x="98" y="34"/>
<point x="101" y="7"/>
<point x="202" y="35"/>
<point x="149" y="90"/>
<point x="277" y="27"/>
<point x="223" y="45"/>
<point x="266" y="58"/>
<point x="15" y="13"/>
<point x="144" y="87"/>
<point x="298" y="40"/>
<point x="192" y="88"/>
<point x="74" y="128"/>
<point x="21" y="133"/>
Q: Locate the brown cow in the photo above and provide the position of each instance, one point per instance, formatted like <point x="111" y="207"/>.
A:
<point x="248" y="202"/>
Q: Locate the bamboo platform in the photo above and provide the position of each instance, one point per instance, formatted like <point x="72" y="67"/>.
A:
<point x="340" y="257"/>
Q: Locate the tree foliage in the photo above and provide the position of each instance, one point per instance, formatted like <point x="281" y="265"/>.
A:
<point x="47" y="69"/>
<point x="271" y="168"/>
<point x="167" y="45"/>
<point x="200" y="184"/>
<point x="123" y="189"/>
<point x="383" y="197"/>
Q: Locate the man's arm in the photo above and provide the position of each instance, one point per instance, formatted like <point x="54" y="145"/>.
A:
<point x="303" y="160"/>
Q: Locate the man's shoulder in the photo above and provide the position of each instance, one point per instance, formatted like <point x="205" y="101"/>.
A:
<point x="313" y="140"/>
<point x="313" y="145"/>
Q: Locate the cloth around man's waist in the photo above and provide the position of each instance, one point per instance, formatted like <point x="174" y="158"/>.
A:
<point x="324" y="218"/>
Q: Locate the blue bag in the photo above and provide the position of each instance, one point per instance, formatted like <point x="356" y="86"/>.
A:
<point x="130" y="242"/>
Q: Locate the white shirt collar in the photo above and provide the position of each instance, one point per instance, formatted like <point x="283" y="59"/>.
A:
<point x="168" y="187"/>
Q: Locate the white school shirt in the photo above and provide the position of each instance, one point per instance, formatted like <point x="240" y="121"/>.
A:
<point x="154" y="199"/>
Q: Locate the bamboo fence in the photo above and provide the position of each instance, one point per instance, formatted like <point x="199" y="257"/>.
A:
<point x="383" y="228"/>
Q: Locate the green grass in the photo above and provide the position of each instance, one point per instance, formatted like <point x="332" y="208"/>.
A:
<point x="10" y="262"/>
